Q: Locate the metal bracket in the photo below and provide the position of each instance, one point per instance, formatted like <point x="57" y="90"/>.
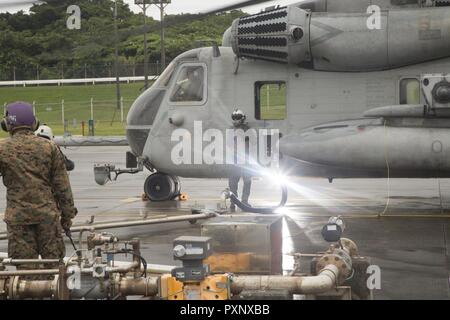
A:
<point x="102" y="172"/>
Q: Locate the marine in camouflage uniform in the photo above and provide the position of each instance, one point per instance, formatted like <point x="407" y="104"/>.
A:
<point x="39" y="197"/>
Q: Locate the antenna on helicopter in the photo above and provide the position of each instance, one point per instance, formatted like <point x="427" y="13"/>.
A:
<point x="214" y="44"/>
<point x="271" y="8"/>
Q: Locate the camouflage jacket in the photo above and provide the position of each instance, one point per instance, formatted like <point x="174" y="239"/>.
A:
<point x="35" y="176"/>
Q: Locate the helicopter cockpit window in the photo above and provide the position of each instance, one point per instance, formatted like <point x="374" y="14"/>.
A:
<point x="270" y="100"/>
<point x="190" y="85"/>
<point x="409" y="91"/>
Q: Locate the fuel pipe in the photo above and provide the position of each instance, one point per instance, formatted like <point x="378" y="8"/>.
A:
<point x="134" y="223"/>
<point x="332" y="269"/>
<point x="326" y="280"/>
<point x="261" y="210"/>
<point x="12" y="286"/>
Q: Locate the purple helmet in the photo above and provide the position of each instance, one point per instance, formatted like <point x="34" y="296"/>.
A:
<point x="20" y="114"/>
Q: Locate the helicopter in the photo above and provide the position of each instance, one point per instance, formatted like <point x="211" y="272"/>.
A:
<point x="341" y="88"/>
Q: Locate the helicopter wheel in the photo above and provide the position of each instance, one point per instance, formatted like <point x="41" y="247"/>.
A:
<point x="177" y="186"/>
<point x="161" y="187"/>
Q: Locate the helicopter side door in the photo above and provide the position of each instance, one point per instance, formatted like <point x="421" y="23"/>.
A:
<point x="188" y="115"/>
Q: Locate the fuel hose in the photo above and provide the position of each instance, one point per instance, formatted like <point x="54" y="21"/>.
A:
<point x="261" y="210"/>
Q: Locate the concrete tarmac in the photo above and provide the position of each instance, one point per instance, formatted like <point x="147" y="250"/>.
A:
<point x="410" y="242"/>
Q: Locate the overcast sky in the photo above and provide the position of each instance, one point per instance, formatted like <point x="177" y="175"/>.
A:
<point x="177" y="6"/>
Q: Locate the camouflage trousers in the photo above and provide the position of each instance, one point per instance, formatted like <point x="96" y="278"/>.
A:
<point x="34" y="240"/>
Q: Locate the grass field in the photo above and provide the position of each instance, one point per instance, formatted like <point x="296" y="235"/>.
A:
<point x="48" y="101"/>
<point x="273" y="102"/>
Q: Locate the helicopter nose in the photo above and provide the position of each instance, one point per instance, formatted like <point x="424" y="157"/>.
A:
<point x="137" y="139"/>
<point x="141" y="117"/>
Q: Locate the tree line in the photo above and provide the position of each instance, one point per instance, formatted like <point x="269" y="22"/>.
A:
<point x="39" y="43"/>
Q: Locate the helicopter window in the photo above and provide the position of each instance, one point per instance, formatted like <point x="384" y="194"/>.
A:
<point x="189" y="86"/>
<point x="409" y="91"/>
<point x="403" y="2"/>
<point x="270" y="100"/>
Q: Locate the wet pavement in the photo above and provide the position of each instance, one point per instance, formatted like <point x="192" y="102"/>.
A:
<point x="410" y="242"/>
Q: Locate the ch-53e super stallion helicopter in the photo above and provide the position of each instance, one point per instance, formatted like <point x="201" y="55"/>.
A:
<point x="349" y="99"/>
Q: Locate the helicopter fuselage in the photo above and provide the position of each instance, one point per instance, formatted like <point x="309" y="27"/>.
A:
<point x="315" y="116"/>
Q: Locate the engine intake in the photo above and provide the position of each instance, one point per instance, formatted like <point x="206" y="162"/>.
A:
<point x="333" y="41"/>
<point x="280" y="35"/>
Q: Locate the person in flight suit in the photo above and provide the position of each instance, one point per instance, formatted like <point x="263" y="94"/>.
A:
<point x="239" y="122"/>
<point x="39" y="196"/>
<point x="191" y="87"/>
<point x="46" y="132"/>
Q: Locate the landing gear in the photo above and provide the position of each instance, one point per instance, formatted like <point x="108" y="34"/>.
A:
<point x="162" y="187"/>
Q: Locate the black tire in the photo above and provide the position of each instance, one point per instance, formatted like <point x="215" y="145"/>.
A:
<point x="177" y="186"/>
<point x="160" y="187"/>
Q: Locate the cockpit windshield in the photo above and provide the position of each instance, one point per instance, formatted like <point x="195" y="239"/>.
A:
<point x="190" y="84"/>
<point x="189" y="87"/>
<point x="144" y="109"/>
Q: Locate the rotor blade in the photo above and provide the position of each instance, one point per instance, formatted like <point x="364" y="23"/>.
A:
<point x="192" y="17"/>
<point x="19" y="3"/>
<point x="235" y="6"/>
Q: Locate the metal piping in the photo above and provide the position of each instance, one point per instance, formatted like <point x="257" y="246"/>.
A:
<point x="37" y="272"/>
<point x="323" y="282"/>
<point x="124" y="269"/>
<point x="159" y="268"/>
<point x="35" y="289"/>
<point x="113" y="225"/>
<point x="25" y="289"/>
<point x="326" y="280"/>
<point x="121" y="224"/>
<point x="138" y="287"/>
<point x="15" y="262"/>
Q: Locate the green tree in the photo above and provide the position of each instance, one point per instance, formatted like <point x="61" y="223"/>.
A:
<point x="41" y="39"/>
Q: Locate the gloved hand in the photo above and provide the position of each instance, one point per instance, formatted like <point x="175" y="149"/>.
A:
<point x="70" y="165"/>
<point x="66" y="224"/>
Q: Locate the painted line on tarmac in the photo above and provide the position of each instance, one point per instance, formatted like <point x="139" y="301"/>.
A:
<point x="129" y="200"/>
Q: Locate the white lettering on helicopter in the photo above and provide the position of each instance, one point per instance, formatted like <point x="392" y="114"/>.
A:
<point x="374" y="20"/>
<point x="74" y="20"/>
<point x="237" y="147"/>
